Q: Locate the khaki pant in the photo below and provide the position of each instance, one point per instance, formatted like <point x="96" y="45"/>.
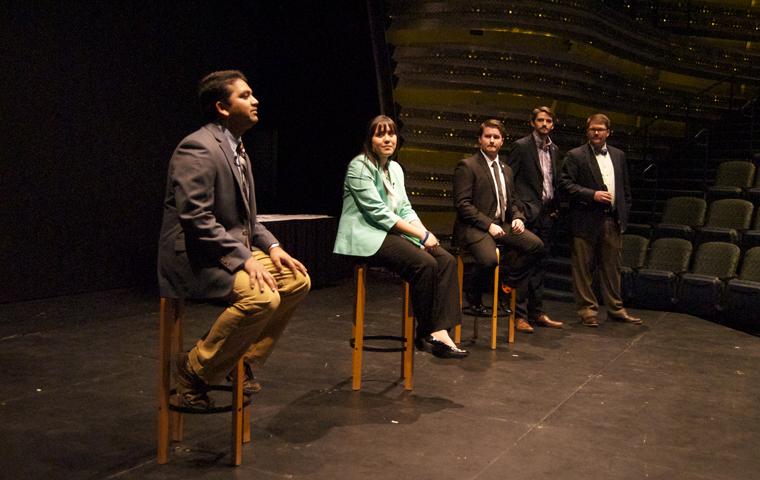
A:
<point x="251" y="324"/>
<point x="602" y="253"/>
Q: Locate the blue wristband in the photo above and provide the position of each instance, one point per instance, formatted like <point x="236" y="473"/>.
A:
<point x="427" y="235"/>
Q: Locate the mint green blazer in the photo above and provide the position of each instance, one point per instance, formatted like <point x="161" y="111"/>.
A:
<point x="367" y="215"/>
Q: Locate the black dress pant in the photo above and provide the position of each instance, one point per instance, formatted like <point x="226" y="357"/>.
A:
<point x="521" y="252"/>
<point x="433" y="279"/>
<point x="543" y="228"/>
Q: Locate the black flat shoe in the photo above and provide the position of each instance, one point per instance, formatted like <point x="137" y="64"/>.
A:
<point x="438" y="348"/>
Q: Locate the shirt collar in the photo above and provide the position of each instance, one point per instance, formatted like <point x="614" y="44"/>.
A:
<point x="490" y="162"/>
<point x="540" y="143"/>
<point x="234" y="142"/>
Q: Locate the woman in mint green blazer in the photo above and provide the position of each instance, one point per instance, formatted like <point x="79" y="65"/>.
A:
<point x="378" y="223"/>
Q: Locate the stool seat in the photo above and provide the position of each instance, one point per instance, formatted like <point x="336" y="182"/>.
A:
<point x="406" y="339"/>
<point x="170" y="418"/>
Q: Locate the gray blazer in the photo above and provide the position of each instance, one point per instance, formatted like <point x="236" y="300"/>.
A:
<point x="209" y="226"/>
<point x="581" y="177"/>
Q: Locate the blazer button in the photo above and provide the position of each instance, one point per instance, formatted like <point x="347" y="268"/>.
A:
<point x="245" y="233"/>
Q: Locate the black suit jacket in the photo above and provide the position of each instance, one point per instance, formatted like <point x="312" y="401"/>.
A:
<point x="580" y="177"/>
<point x="475" y="199"/>
<point x="209" y="226"/>
<point x="522" y="158"/>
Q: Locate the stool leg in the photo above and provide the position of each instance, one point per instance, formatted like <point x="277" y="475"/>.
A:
<point x="512" y="306"/>
<point x="237" y="413"/>
<point x="176" y="418"/>
<point x="460" y="277"/>
<point x="495" y="311"/>
<point x="407" y="358"/>
<point x="247" y="423"/>
<point x="164" y="372"/>
<point x="358" y="327"/>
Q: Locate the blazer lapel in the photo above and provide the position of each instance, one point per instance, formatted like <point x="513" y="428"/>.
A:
<point x="230" y="157"/>
<point x="554" y="152"/>
<point x="538" y="187"/>
<point x="486" y="171"/>
<point x="594" y="166"/>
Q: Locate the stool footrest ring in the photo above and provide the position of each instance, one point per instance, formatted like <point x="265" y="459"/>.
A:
<point x="370" y="348"/>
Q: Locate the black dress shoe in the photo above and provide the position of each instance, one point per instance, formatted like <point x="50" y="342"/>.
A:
<point x="438" y="348"/>
<point x="477" y="310"/>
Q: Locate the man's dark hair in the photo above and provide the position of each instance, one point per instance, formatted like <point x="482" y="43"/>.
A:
<point x="492" y="123"/>
<point x="544" y="109"/>
<point x="599" y="118"/>
<point x="213" y="88"/>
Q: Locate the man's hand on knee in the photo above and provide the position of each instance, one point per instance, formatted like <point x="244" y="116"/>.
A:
<point x="281" y="258"/>
<point x="260" y="276"/>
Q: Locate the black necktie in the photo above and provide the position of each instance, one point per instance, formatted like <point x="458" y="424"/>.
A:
<point x="500" y="188"/>
<point x="242" y="163"/>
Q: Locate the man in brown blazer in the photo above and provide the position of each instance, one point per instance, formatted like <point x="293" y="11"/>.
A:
<point x="488" y="215"/>
<point x="213" y="247"/>
<point x="595" y="180"/>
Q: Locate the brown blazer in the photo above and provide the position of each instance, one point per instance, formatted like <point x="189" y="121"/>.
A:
<point x="475" y="199"/>
<point x="209" y="226"/>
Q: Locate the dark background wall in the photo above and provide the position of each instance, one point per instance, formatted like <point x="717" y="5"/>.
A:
<point x="96" y="97"/>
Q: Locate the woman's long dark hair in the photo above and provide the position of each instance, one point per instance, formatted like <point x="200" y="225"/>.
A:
<point x="382" y="124"/>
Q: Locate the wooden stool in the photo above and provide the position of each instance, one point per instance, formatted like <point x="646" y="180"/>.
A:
<point x="170" y="344"/>
<point x="358" y="337"/>
<point x="495" y="306"/>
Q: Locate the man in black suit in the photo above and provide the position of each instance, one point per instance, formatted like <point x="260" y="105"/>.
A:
<point x="488" y="214"/>
<point x="595" y="179"/>
<point x="533" y="160"/>
<point x="213" y="247"/>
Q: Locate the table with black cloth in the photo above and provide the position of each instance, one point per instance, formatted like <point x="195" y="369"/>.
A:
<point x="310" y="239"/>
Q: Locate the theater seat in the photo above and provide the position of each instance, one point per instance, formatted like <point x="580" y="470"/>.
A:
<point x="751" y="238"/>
<point x="731" y="179"/>
<point x="655" y="285"/>
<point x="634" y="254"/>
<point x="725" y="220"/>
<point x="701" y="290"/>
<point x="743" y="294"/>
<point x="680" y="217"/>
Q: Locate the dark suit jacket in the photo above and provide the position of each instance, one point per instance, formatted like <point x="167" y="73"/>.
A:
<point x="209" y="226"/>
<point x="475" y="199"/>
<point x="522" y="158"/>
<point x="580" y="177"/>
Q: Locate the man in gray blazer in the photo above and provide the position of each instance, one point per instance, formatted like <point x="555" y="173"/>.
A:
<point x="534" y="163"/>
<point x="595" y="179"/>
<point x="213" y="247"/>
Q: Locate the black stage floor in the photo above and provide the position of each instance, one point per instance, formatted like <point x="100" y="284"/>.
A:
<point x="677" y="398"/>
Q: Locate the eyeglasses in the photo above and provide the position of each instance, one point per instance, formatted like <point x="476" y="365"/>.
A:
<point x="597" y="130"/>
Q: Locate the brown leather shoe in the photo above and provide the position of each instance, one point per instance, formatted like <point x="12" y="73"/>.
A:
<point x="250" y="385"/>
<point x="192" y="389"/>
<point x="590" y="321"/>
<point x="544" y="321"/>
<point x="626" y="318"/>
<point x="523" y="326"/>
